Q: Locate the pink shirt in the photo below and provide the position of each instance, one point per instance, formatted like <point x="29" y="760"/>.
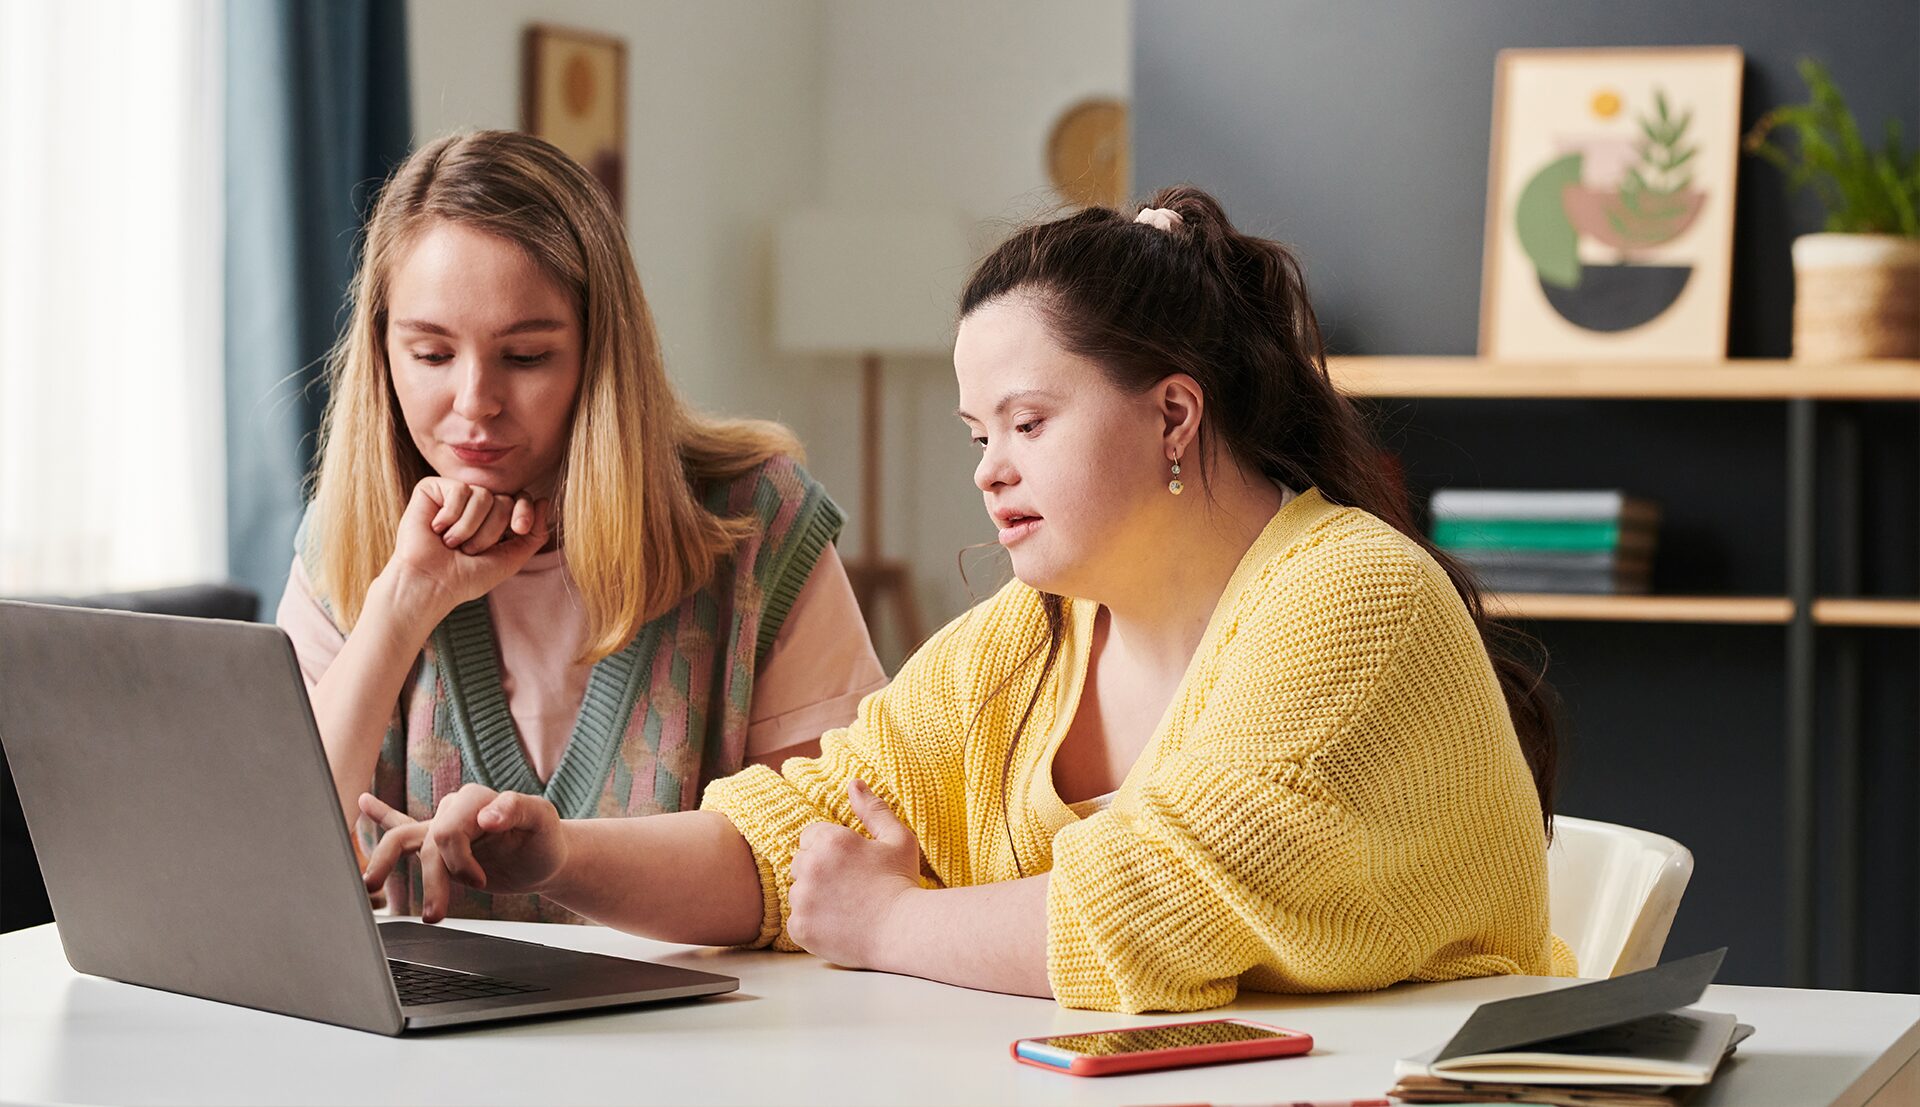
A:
<point x="820" y="665"/>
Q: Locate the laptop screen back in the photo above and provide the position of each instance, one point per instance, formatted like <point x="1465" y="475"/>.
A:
<point x="188" y="840"/>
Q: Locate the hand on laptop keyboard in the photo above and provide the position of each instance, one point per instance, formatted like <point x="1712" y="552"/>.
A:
<point x="494" y="841"/>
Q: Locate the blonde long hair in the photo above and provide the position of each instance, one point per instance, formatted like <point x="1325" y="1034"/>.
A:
<point x="637" y="537"/>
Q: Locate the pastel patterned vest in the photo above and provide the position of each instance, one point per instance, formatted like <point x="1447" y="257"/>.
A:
<point x="661" y="718"/>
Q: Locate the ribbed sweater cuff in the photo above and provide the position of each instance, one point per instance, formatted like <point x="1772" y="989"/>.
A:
<point x="1074" y="970"/>
<point x="769" y="814"/>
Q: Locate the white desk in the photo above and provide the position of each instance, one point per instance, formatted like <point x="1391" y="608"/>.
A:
<point x="800" y="1031"/>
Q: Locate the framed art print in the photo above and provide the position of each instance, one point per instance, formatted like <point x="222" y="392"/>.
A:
<point x="1610" y="204"/>
<point x="573" y="93"/>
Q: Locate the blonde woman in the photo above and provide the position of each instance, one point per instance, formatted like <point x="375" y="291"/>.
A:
<point x="527" y="564"/>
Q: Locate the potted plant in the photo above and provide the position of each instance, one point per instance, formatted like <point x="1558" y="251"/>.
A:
<point x="1857" y="285"/>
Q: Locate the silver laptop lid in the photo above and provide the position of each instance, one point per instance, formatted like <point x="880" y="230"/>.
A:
<point x="187" y="844"/>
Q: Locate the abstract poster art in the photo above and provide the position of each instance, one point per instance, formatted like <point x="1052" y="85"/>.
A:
<point x="1610" y="204"/>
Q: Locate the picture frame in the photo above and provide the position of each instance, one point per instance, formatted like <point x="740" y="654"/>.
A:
<point x="1610" y="203"/>
<point x="573" y="93"/>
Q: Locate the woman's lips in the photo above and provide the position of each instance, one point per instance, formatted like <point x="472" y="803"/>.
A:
<point x="1015" y="531"/>
<point x="480" y="455"/>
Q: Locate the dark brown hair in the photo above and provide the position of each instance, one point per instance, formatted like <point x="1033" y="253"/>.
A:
<point x="1230" y="310"/>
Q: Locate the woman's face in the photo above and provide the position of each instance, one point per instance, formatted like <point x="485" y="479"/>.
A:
<point x="485" y="354"/>
<point x="1073" y="469"/>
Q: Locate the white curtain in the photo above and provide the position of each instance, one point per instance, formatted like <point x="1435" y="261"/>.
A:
<point x="111" y="419"/>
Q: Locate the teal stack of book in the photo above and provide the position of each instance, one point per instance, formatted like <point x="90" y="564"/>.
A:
<point x="1567" y="541"/>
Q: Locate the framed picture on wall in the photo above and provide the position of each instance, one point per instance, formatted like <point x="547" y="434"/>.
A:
<point x="573" y="93"/>
<point x="1610" y="204"/>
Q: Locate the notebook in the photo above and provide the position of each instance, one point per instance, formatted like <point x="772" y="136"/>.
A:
<point x="1636" y="1030"/>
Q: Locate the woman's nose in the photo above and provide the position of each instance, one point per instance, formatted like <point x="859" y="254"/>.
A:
<point x="994" y="471"/>
<point x="474" y="397"/>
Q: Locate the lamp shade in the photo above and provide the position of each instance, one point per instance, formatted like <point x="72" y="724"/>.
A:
<point x="884" y="282"/>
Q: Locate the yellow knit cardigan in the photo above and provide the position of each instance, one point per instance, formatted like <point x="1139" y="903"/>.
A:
<point x="1334" y="800"/>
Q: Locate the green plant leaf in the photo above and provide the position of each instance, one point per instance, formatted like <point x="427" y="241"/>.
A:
<point x="1863" y="190"/>
<point x="1900" y="207"/>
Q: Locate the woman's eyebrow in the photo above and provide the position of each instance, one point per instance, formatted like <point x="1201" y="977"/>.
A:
<point x="422" y="326"/>
<point x="1010" y="398"/>
<point x="533" y="326"/>
<point x="524" y="326"/>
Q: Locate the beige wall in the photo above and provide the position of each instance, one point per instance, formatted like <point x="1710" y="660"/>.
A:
<point x="741" y="110"/>
<point x="950" y="105"/>
<point x="723" y="99"/>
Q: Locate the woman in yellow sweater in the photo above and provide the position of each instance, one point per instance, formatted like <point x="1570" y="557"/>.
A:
<point x="1235" y="723"/>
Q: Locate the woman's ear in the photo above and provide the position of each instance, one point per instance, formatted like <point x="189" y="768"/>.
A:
<point x="1181" y="405"/>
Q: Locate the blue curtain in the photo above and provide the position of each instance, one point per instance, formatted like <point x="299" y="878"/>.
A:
<point x="316" y="116"/>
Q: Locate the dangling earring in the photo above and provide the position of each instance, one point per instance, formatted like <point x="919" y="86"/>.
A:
<point x="1175" y="486"/>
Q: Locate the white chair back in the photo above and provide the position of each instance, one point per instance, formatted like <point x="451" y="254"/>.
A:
<point x="1613" y="892"/>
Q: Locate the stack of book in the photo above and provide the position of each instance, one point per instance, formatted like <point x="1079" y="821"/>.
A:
<point x="1632" y="1041"/>
<point x="1549" y="541"/>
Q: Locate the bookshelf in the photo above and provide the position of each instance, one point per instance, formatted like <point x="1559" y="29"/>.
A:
<point x="1747" y="379"/>
<point x="1641" y="609"/>
<point x="1835" y="612"/>
<point x="1468" y="378"/>
<point x="1806" y="617"/>
<point x="1774" y="610"/>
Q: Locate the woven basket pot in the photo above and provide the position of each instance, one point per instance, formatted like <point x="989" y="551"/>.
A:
<point x="1855" y="296"/>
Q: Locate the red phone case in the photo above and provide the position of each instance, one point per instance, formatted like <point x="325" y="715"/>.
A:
<point x="1081" y="1064"/>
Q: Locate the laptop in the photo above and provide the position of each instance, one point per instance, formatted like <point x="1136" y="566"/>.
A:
<point x="185" y="819"/>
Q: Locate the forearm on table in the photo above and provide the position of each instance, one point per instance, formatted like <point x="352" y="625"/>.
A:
<point x="355" y="698"/>
<point x="682" y="877"/>
<point x="988" y="936"/>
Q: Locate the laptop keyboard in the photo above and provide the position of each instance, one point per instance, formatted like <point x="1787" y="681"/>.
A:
<point x="419" y="985"/>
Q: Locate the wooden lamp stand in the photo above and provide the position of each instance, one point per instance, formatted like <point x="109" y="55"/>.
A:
<point x="878" y="579"/>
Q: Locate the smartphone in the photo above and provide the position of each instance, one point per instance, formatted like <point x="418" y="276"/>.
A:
<point x="1175" y="1045"/>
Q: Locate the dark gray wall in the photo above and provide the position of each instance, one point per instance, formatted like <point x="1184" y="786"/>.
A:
<point x="1359" y="133"/>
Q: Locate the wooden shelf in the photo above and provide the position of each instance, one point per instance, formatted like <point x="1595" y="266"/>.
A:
<point x="1640" y="609"/>
<point x="1743" y="379"/>
<point x="1867" y="613"/>
<point x="1776" y="610"/>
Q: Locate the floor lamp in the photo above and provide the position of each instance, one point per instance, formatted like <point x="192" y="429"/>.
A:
<point x="871" y="284"/>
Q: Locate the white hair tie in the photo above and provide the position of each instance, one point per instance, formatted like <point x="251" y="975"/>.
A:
<point x="1164" y="218"/>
